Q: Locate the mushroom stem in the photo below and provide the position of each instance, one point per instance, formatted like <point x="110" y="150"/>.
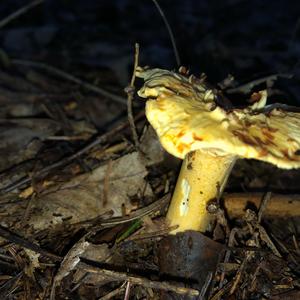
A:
<point x="202" y="178"/>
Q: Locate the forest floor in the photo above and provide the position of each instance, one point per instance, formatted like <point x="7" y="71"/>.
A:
<point x="81" y="204"/>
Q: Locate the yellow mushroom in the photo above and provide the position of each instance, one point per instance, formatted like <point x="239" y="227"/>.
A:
<point x="191" y="126"/>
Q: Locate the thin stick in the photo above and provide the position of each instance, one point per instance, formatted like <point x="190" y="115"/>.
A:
<point x="222" y="291"/>
<point x="238" y="276"/>
<point x="130" y="93"/>
<point x="71" y="78"/>
<point x="263" y="206"/>
<point x="265" y="237"/>
<point x="10" y="283"/>
<point x="247" y="87"/>
<point x="228" y="253"/>
<point x="68" y="159"/>
<point x="127" y="291"/>
<point x="13" y="238"/>
<point x="284" y="248"/>
<point x="120" y="276"/>
<point x="114" y="293"/>
<point x="66" y="138"/>
<point x="19" y="12"/>
<point x="170" y="32"/>
<point x="295" y="243"/>
<point x="206" y="285"/>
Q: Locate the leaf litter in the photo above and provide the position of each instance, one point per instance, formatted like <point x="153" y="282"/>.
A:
<point x="89" y="227"/>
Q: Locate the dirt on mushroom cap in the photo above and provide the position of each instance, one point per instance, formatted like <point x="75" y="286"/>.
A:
<point x="186" y="117"/>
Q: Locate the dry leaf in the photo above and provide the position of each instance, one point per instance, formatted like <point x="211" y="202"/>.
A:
<point x="80" y="199"/>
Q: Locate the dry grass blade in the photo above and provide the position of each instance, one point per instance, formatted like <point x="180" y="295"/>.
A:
<point x="151" y="208"/>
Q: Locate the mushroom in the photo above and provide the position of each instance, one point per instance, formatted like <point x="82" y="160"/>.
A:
<point x="193" y="127"/>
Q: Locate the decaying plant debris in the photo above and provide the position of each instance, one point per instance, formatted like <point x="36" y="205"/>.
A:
<point x="94" y="222"/>
<point x="84" y="190"/>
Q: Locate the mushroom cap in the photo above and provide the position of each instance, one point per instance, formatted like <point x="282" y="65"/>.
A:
<point x="185" y="116"/>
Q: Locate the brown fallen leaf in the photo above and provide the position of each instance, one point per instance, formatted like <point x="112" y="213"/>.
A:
<point x="80" y="198"/>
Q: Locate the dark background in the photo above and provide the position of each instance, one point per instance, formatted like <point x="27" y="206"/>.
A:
<point x="247" y="39"/>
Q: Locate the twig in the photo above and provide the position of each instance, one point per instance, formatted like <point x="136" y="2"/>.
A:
<point x="127" y="291"/>
<point x="114" y="293"/>
<point x="205" y="285"/>
<point x="14" y="238"/>
<point x="9" y="284"/>
<point x="222" y="291"/>
<point x="284" y="248"/>
<point x="295" y="243"/>
<point x="254" y="277"/>
<point x="265" y="237"/>
<point x="80" y="281"/>
<point x="67" y="138"/>
<point x="247" y="87"/>
<point x="70" y="77"/>
<point x="130" y="92"/>
<point x="238" y="275"/>
<point x="19" y="12"/>
<point x="170" y="33"/>
<point x="120" y="276"/>
<point x="68" y="159"/>
<point x="263" y="206"/>
<point x="231" y="240"/>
